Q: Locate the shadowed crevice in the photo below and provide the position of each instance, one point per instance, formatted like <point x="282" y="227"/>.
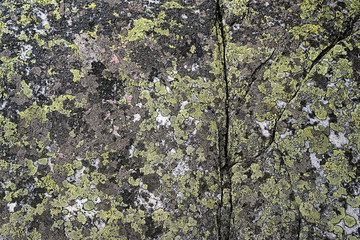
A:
<point x="225" y="208"/>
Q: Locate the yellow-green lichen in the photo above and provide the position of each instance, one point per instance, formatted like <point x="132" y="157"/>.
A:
<point x="77" y="75"/>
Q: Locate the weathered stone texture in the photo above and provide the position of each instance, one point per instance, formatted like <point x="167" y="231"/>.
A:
<point x="180" y="119"/>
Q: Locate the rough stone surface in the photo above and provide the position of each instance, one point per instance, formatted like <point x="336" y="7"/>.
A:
<point x="186" y="119"/>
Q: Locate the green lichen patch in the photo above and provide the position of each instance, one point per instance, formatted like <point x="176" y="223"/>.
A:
<point x="349" y="221"/>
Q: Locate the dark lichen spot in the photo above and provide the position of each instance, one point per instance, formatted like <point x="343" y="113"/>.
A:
<point x="107" y="84"/>
<point x="332" y="116"/>
<point x="321" y="81"/>
<point x="152" y="181"/>
<point x="153" y="74"/>
<point x="59" y="127"/>
<point x="152" y="230"/>
<point x="136" y="174"/>
<point x="128" y="196"/>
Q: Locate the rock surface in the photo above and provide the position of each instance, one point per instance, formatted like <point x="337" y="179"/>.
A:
<point x="187" y="119"/>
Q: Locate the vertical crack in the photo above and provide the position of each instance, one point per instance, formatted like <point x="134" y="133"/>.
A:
<point x="225" y="208"/>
